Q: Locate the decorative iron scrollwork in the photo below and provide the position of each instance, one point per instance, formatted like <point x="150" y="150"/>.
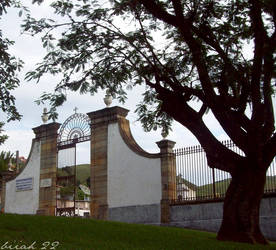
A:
<point x="75" y="129"/>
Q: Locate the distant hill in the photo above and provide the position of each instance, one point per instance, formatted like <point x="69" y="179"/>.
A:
<point x="270" y="183"/>
<point x="207" y="190"/>
<point x="221" y="187"/>
<point x="83" y="172"/>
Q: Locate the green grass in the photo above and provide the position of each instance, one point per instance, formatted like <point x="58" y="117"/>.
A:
<point x="77" y="234"/>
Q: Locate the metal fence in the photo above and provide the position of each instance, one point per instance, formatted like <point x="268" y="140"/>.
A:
<point x="195" y="181"/>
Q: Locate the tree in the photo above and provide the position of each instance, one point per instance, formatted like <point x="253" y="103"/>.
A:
<point x="2" y="137"/>
<point x="5" y="159"/>
<point x="9" y="67"/>
<point x="182" y="50"/>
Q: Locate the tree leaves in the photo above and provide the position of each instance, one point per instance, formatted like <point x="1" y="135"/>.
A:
<point x="2" y="137"/>
<point x="123" y="43"/>
<point x="9" y="67"/>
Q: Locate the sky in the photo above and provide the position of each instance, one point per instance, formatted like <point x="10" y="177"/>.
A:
<point x="30" y="50"/>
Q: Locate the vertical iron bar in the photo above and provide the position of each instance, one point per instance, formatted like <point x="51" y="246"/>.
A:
<point x="214" y="182"/>
<point x="75" y="181"/>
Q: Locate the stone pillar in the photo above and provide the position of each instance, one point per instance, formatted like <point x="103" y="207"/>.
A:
<point x="168" y="175"/>
<point x="47" y="135"/>
<point x="99" y="139"/>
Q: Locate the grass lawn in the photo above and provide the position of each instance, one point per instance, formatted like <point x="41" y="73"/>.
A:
<point x="77" y="233"/>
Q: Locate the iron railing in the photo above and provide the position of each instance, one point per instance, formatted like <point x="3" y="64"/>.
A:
<point x="196" y="181"/>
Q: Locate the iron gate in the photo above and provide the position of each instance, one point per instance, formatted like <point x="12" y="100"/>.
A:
<point x="74" y="130"/>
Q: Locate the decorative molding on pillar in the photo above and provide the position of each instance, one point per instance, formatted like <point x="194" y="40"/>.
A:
<point x="107" y="115"/>
<point x="166" y="146"/>
<point x="46" y="130"/>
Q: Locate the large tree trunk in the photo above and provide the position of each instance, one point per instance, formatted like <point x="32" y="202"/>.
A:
<point x="242" y="205"/>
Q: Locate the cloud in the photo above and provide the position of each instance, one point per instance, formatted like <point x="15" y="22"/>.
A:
<point x="18" y="140"/>
<point x="30" y="50"/>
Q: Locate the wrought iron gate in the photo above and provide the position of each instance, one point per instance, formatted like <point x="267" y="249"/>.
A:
<point x="74" y="130"/>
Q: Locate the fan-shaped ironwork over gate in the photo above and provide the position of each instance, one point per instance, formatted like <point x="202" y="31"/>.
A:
<point x="75" y="129"/>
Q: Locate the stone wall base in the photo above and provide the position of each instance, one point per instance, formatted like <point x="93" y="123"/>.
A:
<point x="208" y="216"/>
<point x="146" y="214"/>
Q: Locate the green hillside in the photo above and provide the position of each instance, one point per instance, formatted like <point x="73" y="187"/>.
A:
<point x="270" y="183"/>
<point x="83" y="172"/>
<point x="221" y="187"/>
<point x="207" y="190"/>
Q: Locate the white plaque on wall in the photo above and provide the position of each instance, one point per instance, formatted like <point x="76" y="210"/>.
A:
<point x="24" y="184"/>
<point x="46" y="182"/>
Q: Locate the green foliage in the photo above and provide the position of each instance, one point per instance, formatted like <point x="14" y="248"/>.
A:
<point x="183" y="51"/>
<point x="82" y="174"/>
<point x="94" y="54"/>
<point x="79" y="194"/>
<point x="5" y="158"/>
<point x="219" y="53"/>
<point x="67" y="191"/>
<point x="9" y="67"/>
<point x="120" y="44"/>
<point x="2" y="137"/>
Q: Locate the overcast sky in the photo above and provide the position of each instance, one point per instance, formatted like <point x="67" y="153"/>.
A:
<point x="20" y="134"/>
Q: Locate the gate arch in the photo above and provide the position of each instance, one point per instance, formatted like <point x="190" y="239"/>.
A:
<point x="75" y="129"/>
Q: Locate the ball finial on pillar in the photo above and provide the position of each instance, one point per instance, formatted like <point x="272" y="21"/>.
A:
<point x="108" y="99"/>
<point x="45" y="116"/>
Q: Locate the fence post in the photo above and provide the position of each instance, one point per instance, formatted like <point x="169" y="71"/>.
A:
<point x="168" y="174"/>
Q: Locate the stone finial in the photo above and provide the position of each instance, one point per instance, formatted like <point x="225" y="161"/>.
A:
<point x="164" y="134"/>
<point x="45" y="116"/>
<point x="108" y="99"/>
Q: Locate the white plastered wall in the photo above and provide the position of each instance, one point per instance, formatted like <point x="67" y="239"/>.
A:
<point x="132" y="179"/>
<point x="25" y="202"/>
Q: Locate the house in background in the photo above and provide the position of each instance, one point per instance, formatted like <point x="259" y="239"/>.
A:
<point x="184" y="189"/>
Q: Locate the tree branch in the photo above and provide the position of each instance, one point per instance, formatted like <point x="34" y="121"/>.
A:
<point x="218" y="155"/>
<point x="211" y="100"/>
<point x="259" y="35"/>
<point x="267" y="92"/>
<point x="270" y="150"/>
<point x="157" y="11"/>
<point x="178" y="9"/>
